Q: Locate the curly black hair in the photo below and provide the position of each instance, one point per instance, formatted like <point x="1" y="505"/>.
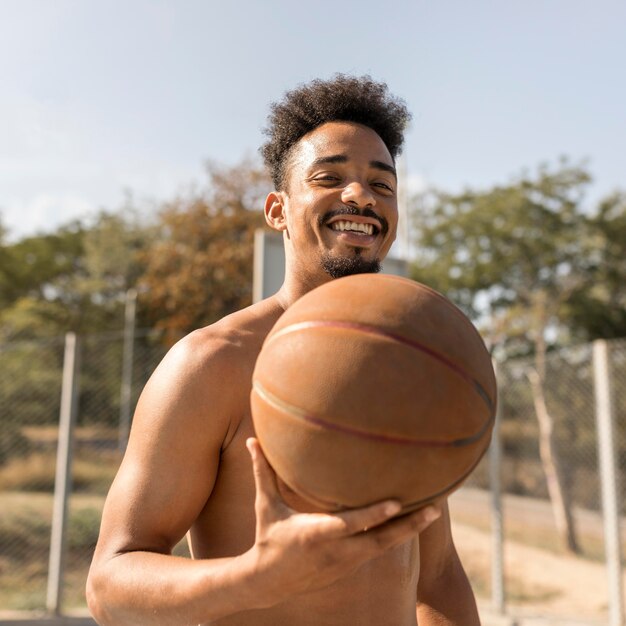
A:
<point x="342" y="98"/>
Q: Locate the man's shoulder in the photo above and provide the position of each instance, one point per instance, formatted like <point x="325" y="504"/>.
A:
<point x="233" y="341"/>
<point x="208" y="372"/>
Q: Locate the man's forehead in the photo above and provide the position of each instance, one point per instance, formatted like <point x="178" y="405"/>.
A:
<point x="347" y="140"/>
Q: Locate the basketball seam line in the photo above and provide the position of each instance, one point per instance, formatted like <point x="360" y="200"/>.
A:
<point x="371" y="330"/>
<point x="295" y="411"/>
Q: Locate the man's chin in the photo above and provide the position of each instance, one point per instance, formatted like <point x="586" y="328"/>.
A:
<point x="339" y="266"/>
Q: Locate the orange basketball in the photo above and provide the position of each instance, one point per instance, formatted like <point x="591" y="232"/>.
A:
<point x="373" y="387"/>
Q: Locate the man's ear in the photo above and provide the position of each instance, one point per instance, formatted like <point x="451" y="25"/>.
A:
<point x="275" y="211"/>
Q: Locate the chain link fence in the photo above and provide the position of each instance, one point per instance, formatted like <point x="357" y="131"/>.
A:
<point x="30" y="384"/>
<point x="30" y="390"/>
<point x="100" y="440"/>
<point x="543" y="571"/>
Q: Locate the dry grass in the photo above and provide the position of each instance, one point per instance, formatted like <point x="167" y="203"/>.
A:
<point x="36" y="472"/>
<point x="33" y="472"/>
<point x="25" y="520"/>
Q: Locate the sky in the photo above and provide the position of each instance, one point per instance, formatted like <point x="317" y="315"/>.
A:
<point x="99" y="98"/>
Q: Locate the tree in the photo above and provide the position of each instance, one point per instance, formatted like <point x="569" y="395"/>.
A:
<point x="199" y="268"/>
<point x="74" y="278"/>
<point x="515" y="257"/>
<point x="37" y="275"/>
<point x="600" y="311"/>
<point x="114" y="248"/>
<point x="5" y="269"/>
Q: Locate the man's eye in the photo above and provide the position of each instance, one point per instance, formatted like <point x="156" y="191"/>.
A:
<point x="384" y="186"/>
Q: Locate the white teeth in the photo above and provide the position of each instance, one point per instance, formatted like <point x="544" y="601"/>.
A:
<point x="342" y="225"/>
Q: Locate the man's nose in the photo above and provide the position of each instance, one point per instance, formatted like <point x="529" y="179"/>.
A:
<point x="358" y="195"/>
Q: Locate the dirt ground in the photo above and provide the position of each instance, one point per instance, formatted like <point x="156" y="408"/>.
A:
<point x="538" y="581"/>
<point x="541" y="582"/>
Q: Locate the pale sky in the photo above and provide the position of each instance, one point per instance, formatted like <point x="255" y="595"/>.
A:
<point x="98" y="97"/>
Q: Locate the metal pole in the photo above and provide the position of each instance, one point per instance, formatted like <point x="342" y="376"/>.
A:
<point x="127" y="368"/>
<point x="608" y="479"/>
<point x="63" y="478"/>
<point x="497" y="526"/>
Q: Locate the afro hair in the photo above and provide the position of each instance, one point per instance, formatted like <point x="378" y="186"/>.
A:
<point x="342" y="98"/>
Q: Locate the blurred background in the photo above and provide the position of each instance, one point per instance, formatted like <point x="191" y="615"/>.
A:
<point x="131" y="189"/>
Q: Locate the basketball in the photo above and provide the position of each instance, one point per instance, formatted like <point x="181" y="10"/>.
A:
<point x="373" y="387"/>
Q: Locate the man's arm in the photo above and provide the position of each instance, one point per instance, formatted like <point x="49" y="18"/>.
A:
<point x="164" y="481"/>
<point x="444" y="594"/>
<point x="163" y="484"/>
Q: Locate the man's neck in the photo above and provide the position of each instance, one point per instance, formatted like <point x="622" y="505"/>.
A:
<point x="296" y="285"/>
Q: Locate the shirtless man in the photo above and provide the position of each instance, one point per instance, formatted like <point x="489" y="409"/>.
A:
<point x="262" y="557"/>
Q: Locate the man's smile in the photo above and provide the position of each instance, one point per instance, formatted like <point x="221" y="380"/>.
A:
<point x="367" y="229"/>
<point x="350" y="221"/>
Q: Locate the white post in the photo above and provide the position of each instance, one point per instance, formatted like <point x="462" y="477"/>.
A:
<point x="127" y="368"/>
<point x="608" y="479"/>
<point x="259" y="264"/>
<point x="63" y="477"/>
<point x="497" y="527"/>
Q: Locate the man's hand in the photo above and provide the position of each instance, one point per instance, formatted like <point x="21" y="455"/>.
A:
<point x="298" y="552"/>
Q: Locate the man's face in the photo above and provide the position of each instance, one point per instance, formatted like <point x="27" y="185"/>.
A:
<point x="340" y="203"/>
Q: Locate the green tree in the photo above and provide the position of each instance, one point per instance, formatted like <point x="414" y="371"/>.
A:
<point x="74" y="278"/>
<point x="513" y="255"/>
<point x="599" y="312"/>
<point x="37" y="298"/>
<point x="114" y="248"/>
<point x="5" y="267"/>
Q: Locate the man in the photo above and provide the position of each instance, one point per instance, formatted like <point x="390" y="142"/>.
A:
<point x="262" y="556"/>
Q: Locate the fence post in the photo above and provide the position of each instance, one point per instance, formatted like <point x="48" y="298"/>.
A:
<point x="497" y="530"/>
<point x="608" y="479"/>
<point x="127" y="368"/>
<point x="63" y="477"/>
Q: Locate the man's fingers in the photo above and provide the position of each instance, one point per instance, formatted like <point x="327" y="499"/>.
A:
<point x="422" y="519"/>
<point x="357" y="520"/>
<point x="264" y="476"/>
<point x="402" y="528"/>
